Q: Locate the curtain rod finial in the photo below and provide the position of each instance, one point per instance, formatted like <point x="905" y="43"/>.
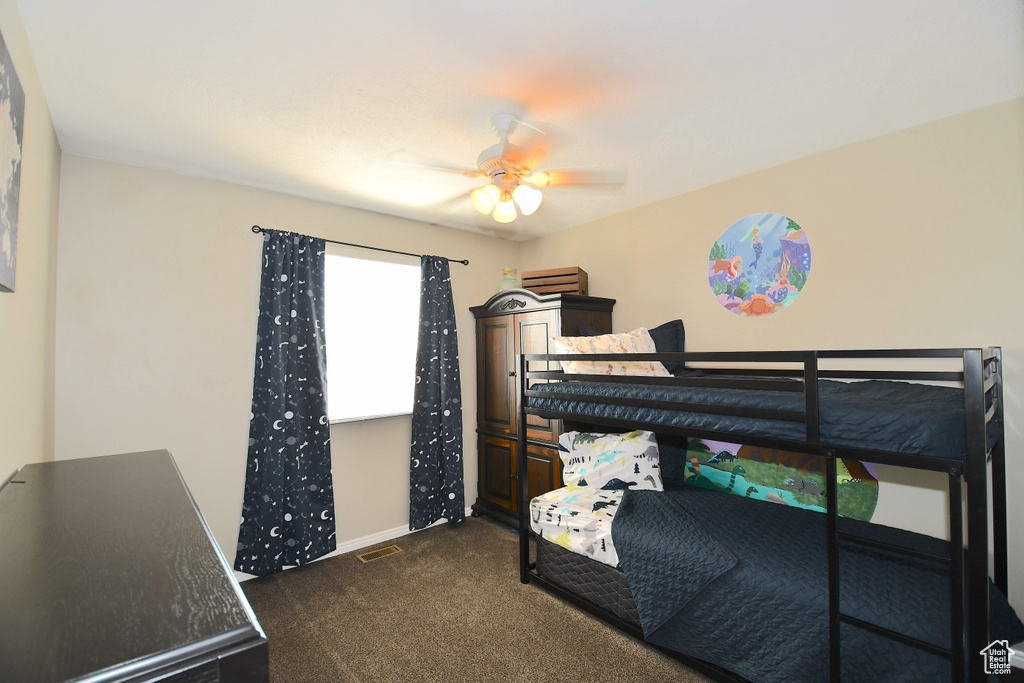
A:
<point x="257" y="229"/>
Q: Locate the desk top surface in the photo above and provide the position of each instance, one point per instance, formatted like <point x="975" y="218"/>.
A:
<point x="108" y="569"/>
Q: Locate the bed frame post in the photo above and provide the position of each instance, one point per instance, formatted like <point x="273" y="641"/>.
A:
<point x="976" y="473"/>
<point x="999" y="477"/>
<point x="832" y="505"/>
<point x="956" y="575"/>
<point x="812" y="435"/>
<point x="522" y="478"/>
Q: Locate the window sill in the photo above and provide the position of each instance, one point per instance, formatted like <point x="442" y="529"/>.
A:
<point x="366" y="418"/>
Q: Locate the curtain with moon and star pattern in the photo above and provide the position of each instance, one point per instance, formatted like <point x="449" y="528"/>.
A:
<point x="435" y="469"/>
<point x="288" y="504"/>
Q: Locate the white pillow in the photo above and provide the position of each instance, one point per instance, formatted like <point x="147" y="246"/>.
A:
<point x="637" y="341"/>
<point x="610" y="461"/>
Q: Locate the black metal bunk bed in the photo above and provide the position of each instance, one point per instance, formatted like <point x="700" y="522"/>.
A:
<point x="797" y="374"/>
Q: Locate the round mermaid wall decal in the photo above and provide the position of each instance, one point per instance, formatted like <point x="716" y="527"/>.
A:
<point x="759" y="265"/>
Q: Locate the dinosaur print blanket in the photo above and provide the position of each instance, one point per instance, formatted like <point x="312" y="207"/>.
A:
<point x="744" y="585"/>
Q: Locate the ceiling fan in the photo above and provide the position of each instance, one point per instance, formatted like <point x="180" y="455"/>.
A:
<point x="512" y="169"/>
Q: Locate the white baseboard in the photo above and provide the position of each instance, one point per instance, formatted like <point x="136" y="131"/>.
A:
<point x="361" y="542"/>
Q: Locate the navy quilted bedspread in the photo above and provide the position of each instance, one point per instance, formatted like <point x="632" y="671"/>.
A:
<point x="887" y="416"/>
<point x="744" y="584"/>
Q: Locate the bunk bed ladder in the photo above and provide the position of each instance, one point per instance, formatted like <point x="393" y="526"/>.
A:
<point x="812" y="433"/>
<point x="976" y="442"/>
<point x="956" y="563"/>
<point x="834" y="613"/>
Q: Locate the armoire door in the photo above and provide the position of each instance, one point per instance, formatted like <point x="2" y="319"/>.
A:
<point x="543" y="470"/>
<point x="535" y="331"/>
<point x="497" y="407"/>
<point x="497" y="461"/>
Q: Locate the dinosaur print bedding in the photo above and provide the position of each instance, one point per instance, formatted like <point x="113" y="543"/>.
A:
<point x="882" y="415"/>
<point x="781" y="477"/>
<point x="744" y="585"/>
<point x="578" y="519"/>
<point x="610" y="461"/>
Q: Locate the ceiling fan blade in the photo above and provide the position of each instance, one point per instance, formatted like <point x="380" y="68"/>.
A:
<point x="531" y="126"/>
<point x="452" y="212"/>
<point x="596" y="176"/>
<point x="451" y="203"/>
<point x="420" y="161"/>
<point x="535" y="152"/>
<point x="533" y="145"/>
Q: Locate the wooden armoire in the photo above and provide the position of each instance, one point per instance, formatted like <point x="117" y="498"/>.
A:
<point x="512" y="322"/>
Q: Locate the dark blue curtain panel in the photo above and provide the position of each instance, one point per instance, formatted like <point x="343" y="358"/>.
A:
<point x="288" y="506"/>
<point x="435" y="472"/>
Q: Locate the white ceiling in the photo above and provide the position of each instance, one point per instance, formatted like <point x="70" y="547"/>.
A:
<point x="310" y="97"/>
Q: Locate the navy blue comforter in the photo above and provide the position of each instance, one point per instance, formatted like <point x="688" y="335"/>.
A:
<point x="888" y="416"/>
<point x="744" y="584"/>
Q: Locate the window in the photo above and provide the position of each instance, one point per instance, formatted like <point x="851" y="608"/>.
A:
<point x="372" y="319"/>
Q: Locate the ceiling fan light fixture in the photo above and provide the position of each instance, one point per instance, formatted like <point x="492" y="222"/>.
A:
<point x="484" y="198"/>
<point x="527" y="198"/>
<point x="505" y="210"/>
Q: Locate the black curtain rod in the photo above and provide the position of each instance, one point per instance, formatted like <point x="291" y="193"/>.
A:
<point x="257" y="229"/>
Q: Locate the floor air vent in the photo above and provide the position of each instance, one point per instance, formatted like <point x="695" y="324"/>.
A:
<point x="377" y="554"/>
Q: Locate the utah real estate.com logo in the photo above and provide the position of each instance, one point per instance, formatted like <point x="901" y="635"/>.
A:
<point x="997" y="657"/>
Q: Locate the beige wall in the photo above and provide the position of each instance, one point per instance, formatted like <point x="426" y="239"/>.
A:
<point x="917" y="240"/>
<point x="27" y="315"/>
<point x="157" y="302"/>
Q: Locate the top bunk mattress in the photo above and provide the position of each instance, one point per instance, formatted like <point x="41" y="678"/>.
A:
<point x="878" y="415"/>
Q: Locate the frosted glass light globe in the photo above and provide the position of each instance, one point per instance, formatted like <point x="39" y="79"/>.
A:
<point x="484" y="198"/>
<point x="527" y="198"/>
<point x="505" y="211"/>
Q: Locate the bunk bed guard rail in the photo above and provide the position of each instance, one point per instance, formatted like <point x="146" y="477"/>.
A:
<point x="977" y="370"/>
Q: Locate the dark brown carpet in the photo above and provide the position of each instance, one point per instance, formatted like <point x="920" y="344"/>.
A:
<point x="450" y="607"/>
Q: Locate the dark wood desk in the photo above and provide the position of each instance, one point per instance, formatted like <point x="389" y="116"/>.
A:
<point x="109" y="573"/>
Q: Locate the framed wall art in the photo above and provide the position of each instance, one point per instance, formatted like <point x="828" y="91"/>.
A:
<point x="759" y="265"/>
<point x="12" y="126"/>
